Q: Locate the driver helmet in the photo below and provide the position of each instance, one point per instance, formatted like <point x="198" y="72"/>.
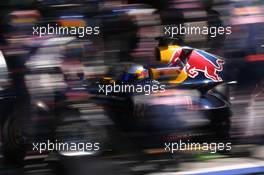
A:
<point x="135" y="72"/>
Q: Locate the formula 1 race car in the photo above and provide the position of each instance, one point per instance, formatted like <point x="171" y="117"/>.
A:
<point x="185" y="98"/>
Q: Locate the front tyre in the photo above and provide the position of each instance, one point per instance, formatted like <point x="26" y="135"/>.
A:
<point x="220" y="123"/>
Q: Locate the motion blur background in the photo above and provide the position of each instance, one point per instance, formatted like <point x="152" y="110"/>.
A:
<point x="41" y="67"/>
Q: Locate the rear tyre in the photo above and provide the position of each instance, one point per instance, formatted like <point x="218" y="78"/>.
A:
<point x="13" y="147"/>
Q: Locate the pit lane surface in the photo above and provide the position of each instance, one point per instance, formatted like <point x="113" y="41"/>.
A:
<point x="50" y="165"/>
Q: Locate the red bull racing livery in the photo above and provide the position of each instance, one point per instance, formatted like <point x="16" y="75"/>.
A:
<point x="194" y="98"/>
<point x="199" y="61"/>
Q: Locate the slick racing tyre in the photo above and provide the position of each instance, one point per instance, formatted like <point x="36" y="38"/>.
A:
<point x="220" y="123"/>
<point x="13" y="147"/>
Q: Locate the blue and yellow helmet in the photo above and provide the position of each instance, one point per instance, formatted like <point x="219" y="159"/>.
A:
<point x="135" y="72"/>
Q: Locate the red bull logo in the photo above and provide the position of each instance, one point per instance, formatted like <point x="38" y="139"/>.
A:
<point x="199" y="61"/>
